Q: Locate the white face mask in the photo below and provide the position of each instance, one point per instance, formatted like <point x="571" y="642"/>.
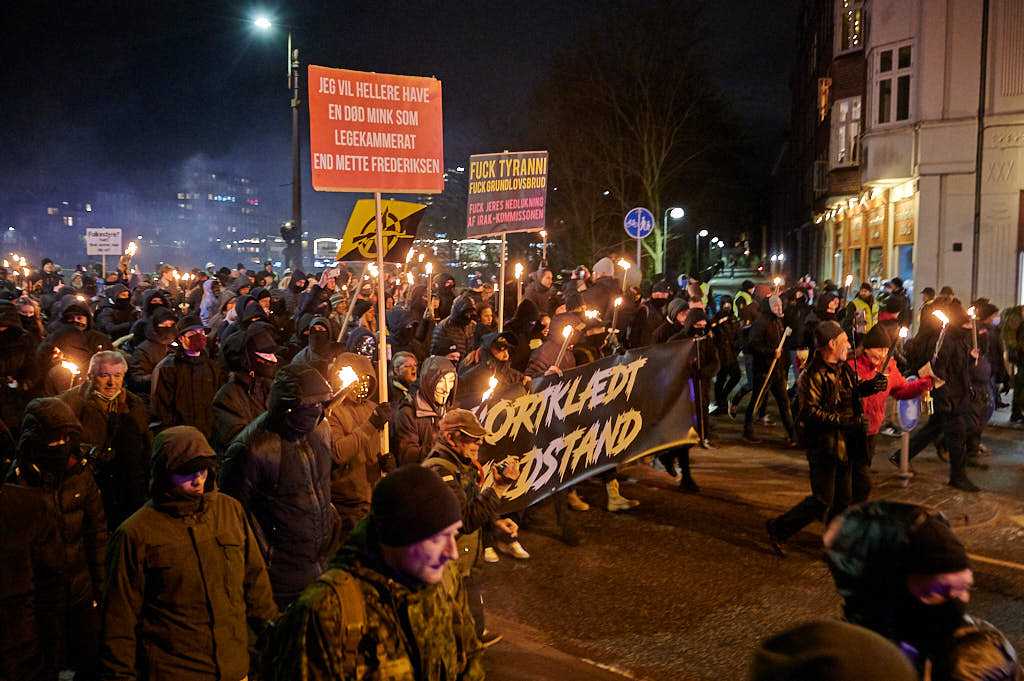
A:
<point x="444" y="388"/>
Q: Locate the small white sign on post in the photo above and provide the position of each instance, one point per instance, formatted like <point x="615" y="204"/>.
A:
<point x="103" y="242"/>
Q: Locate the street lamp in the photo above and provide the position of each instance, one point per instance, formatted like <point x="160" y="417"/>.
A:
<point x="676" y="213"/>
<point x="293" y="243"/>
<point x="700" y="235"/>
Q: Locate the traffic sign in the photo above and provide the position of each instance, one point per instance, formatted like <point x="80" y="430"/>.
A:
<point x="102" y="241"/>
<point x="639" y="222"/>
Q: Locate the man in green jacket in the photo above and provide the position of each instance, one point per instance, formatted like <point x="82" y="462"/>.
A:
<point x="185" y="576"/>
<point x="391" y="606"/>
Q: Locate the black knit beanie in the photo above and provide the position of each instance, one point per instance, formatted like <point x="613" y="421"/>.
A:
<point x="412" y="504"/>
<point x="934" y="549"/>
<point x="877" y="337"/>
<point x="825" y="331"/>
<point x="829" y="651"/>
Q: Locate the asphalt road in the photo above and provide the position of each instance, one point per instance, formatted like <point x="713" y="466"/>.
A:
<point x="684" y="586"/>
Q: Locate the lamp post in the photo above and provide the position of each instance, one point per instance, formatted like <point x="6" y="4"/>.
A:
<point x="676" y="213"/>
<point x="293" y="245"/>
<point x="700" y="235"/>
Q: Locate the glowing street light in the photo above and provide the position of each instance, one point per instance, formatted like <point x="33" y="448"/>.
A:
<point x="263" y="23"/>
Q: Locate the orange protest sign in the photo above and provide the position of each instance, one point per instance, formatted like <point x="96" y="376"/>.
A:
<point x="374" y="132"/>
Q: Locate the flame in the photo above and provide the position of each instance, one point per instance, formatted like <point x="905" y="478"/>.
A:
<point x="590" y="314"/>
<point x="972" y="313"/>
<point x="941" y="316"/>
<point x="430" y="268"/>
<point x="904" y="332"/>
<point x="618" y="301"/>
<point x="624" y="264"/>
<point x="849" y="280"/>
<point x="492" y="383"/>
<point x="777" y="281"/>
<point x="72" y="367"/>
<point x="567" y="331"/>
<point x="347" y="376"/>
<point x="419" y="258"/>
<point x="131" y="250"/>
<point x="374" y="272"/>
<point x="80" y="298"/>
<point x="409" y="255"/>
<point x="409" y="278"/>
<point x="519" y="270"/>
<point x="6" y="264"/>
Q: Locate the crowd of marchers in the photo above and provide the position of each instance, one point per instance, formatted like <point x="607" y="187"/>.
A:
<point x="197" y="487"/>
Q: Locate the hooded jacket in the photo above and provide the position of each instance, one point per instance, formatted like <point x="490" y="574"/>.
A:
<point x="67" y="489"/>
<point x="148" y="353"/>
<point x="245" y="395"/>
<point x="116" y="317"/>
<point x="285" y="488"/>
<point x="117" y="434"/>
<point x="474" y="379"/>
<point x="31" y="588"/>
<point x="357" y="444"/>
<point x="671" y="328"/>
<point x="183" y="388"/>
<point x="523" y="326"/>
<point x="545" y="356"/>
<point x="416" y="420"/>
<point x="75" y="344"/>
<point x="186" y="579"/>
<point x="455" y="332"/>
<point x="290" y="295"/>
<point x="541" y="295"/>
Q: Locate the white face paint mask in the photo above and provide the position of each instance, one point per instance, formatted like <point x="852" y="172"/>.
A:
<point x="444" y="388"/>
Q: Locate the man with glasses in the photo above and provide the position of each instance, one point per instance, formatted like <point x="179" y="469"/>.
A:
<point x="455" y="458"/>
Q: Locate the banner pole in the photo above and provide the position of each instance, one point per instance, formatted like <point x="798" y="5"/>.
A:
<point x="501" y="285"/>
<point x="104" y="261"/>
<point x="382" y="336"/>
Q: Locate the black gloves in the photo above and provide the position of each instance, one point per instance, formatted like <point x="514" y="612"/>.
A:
<point x="380" y="416"/>
<point x="876" y="385"/>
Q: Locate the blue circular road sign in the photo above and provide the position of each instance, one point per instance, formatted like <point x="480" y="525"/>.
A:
<point x="639" y="222"/>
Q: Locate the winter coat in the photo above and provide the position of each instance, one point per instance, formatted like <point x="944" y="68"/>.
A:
<point x="830" y="406"/>
<point x="18" y="365"/>
<point x="142" y="363"/>
<point x="73" y="502"/>
<point x="75" y="344"/>
<point x="409" y="632"/>
<point x="601" y="296"/>
<point x="765" y="335"/>
<point x="543" y="358"/>
<point x="475" y="380"/>
<point x="899" y="389"/>
<point x="186" y="578"/>
<point x="542" y="296"/>
<point x="290" y="295"/>
<point x="116" y="319"/>
<point x="285" y="488"/>
<point x="479" y="506"/>
<point x="31" y="588"/>
<point x="356" y="442"/>
<point x="236" y="405"/>
<point x="183" y="391"/>
<point x="119" y="440"/>
<point x="416" y="420"/>
<point x="954" y="366"/>
<point x="455" y="333"/>
<point x="523" y="327"/>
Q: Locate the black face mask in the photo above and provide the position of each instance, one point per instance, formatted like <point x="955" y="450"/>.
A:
<point x="164" y="335"/>
<point x="263" y="369"/>
<point x="27" y="322"/>
<point x="930" y="625"/>
<point x="122" y="303"/>
<point x="81" y="326"/>
<point x="302" y="420"/>
<point x="319" y="341"/>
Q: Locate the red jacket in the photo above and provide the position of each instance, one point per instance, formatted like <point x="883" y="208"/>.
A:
<point x="899" y="388"/>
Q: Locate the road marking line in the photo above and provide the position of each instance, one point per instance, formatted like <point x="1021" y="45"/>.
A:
<point x="996" y="561"/>
<point x="609" y="668"/>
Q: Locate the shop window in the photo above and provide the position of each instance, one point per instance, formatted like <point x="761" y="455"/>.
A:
<point x="876" y="270"/>
<point x="845" y="143"/>
<point x="849" y="25"/>
<point x="855" y="265"/>
<point x="893" y="71"/>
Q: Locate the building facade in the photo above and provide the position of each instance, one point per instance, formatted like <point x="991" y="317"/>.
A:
<point x="913" y="213"/>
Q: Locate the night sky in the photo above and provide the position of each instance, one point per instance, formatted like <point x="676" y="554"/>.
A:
<point x="128" y="94"/>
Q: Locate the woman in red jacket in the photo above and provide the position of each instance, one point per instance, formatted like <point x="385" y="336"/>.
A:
<point x="867" y="364"/>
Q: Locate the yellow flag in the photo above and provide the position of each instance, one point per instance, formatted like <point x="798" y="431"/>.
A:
<point x="401" y="220"/>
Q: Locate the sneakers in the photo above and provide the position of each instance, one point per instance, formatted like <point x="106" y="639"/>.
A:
<point x="513" y="549"/>
<point x="489" y="638"/>
<point x="617" y="502"/>
<point x="575" y="502"/>
<point x="706" y="444"/>
<point x="774" y="540"/>
<point x="490" y="555"/>
<point x="964" y="485"/>
<point x="765" y="421"/>
<point x="889" y="431"/>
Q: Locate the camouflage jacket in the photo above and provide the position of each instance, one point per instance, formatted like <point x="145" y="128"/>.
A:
<point x="393" y="631"/>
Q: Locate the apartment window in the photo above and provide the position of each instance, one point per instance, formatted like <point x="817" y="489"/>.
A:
<point x="69" y="221"/>
<point x="850" y="25"/>
<point x="893" y="72"/>
<point x="845" y="143"/>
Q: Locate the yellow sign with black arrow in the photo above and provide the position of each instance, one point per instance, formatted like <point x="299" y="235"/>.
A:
<point x="401" y="220"/>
